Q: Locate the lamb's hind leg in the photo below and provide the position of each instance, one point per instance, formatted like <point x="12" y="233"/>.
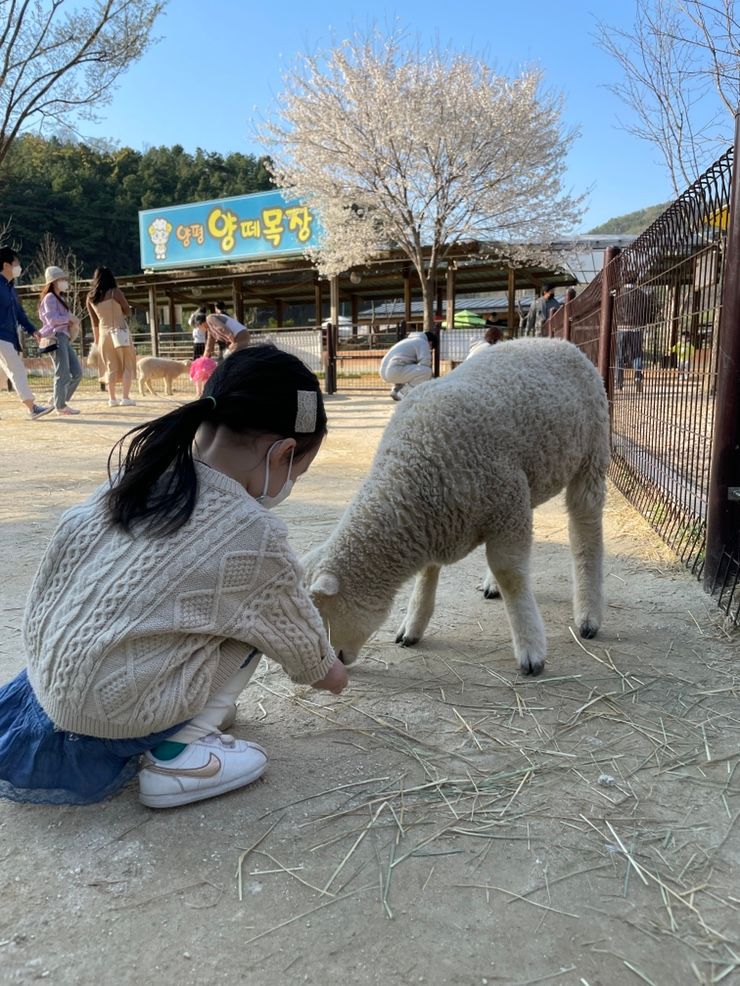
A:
<point x="420" y="608"/>
<point x="585" y="502"/>
<point x="509" y="563"/>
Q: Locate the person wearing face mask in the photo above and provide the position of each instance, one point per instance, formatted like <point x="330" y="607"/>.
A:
<point x="11" y="316"/>
<point x="58" y="325"/>
<point x="151" y="662"/>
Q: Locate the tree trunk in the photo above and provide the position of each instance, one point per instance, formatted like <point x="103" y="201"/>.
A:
<point x="428" y="285"/>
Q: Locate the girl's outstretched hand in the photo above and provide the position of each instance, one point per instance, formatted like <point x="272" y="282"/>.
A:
<point x="335" y="680"/>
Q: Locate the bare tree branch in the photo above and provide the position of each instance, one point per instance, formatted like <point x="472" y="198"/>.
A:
<point x="681" y="79"/>
<point x="394" y="148"/>
<point x="59" y="62"/>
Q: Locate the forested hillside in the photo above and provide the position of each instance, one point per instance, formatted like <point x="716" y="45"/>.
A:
<point x="632" y="222"/>
<point x="87" y="198"/>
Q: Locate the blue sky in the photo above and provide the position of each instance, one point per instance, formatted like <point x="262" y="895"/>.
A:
<point x="219" y="66"/>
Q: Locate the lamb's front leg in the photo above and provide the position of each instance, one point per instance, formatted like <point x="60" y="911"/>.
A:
<point x="420" y="608"/>
<point x="509" y="564"/>
<point x="489" y="587"/>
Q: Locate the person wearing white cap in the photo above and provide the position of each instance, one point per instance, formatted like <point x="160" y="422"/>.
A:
<point x="58" y="328"/>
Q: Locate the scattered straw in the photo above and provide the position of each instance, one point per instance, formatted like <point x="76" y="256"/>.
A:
<point x="512" y="893"/>
<point x="246" y="852"/>
<point x="305" y="914"/>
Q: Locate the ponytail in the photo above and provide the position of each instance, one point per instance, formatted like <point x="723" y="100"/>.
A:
<point x="259" y="390"/>
<point x="156" y="480"/>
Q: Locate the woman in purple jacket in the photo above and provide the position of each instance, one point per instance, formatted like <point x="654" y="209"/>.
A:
<point x="57" y="323"/>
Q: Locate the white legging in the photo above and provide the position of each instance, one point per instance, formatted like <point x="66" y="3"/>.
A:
<point x="411" y="374"/>
<point x="219" y="705"/>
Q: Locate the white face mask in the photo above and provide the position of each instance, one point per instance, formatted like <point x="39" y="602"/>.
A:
<point x="17" y="270"/>
<point x="285" y="490"/>
<point x="63" y="285"/>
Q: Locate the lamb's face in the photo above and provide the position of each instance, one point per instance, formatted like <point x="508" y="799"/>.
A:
<point x="349" y="625"/>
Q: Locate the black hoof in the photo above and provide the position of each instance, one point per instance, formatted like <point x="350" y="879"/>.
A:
<point x="340" y="655"/>
<point x="532" y="669"/>
<point x="491" y="594"/>
<point x="588" y="631"/>
<point x="409" y="641"/>
<point x="399" y="637"/>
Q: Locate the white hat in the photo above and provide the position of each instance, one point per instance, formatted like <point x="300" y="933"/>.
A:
<point x="52" y="274"/>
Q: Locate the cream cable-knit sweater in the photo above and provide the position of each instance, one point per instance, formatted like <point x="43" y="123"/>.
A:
<point x="126" y="636"/>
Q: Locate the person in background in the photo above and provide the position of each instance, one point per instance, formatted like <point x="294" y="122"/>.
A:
<point x="57" y="325"/>
<point x="684" y="350"/>
<point x="541" y="310"/>
<point x="11" y="316"/>
<point x="634" y="309"/>
<point x="226" y="333"/>
<point x="220" y="308"/>
<point x="196" y="323"/>
<point x="409" y="363"/>
<point x="493" y="335"/>
<point x="108" y="309"/>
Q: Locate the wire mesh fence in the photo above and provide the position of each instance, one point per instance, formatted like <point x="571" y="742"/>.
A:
<point x="658" y="305"/>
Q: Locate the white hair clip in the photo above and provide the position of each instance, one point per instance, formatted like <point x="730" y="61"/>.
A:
<point x="306" y="409"/>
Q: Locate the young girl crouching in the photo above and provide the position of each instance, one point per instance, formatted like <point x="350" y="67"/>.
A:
<point x="156" y="595"/>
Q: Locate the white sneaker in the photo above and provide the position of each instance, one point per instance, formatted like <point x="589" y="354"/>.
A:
<point x="210" y="766"/>
<point x="127" y="402"/>
<point x="113" y="402"/>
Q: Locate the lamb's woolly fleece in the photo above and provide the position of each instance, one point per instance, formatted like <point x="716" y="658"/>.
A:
<point x="463" y="457"/>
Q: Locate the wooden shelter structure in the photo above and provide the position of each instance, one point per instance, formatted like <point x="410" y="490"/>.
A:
<point x="282" y="282"/>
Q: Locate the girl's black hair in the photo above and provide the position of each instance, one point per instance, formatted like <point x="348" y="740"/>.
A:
<point x="103" y="281"/>
<point x="255" y="392"/>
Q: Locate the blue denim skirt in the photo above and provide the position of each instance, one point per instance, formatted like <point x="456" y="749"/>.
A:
<point x="41" y="764"/>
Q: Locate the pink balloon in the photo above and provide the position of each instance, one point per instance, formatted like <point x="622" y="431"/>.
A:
<point x="202" y="368"/>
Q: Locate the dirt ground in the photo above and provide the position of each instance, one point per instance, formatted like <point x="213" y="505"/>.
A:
<point x="444" y="821"/>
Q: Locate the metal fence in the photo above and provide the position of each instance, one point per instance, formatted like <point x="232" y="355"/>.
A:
<point x="652" y="322"/>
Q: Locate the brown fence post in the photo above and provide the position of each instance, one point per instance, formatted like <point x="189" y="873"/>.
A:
<point x="330" y="334"/>
<point x="723" y="510"/>
<point x="608" y="284"/>
<point x="569" y="296"/>
<point x="153" y="320"/>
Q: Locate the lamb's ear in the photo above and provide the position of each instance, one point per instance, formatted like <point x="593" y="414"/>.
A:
<point x="324" y="584"/>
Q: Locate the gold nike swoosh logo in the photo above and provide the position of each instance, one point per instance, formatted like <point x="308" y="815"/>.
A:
<point x="209" y="769"/>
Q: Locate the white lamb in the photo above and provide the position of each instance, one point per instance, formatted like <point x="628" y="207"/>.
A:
<point x="149" y="368"/>
<point x="463" y="462"/>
